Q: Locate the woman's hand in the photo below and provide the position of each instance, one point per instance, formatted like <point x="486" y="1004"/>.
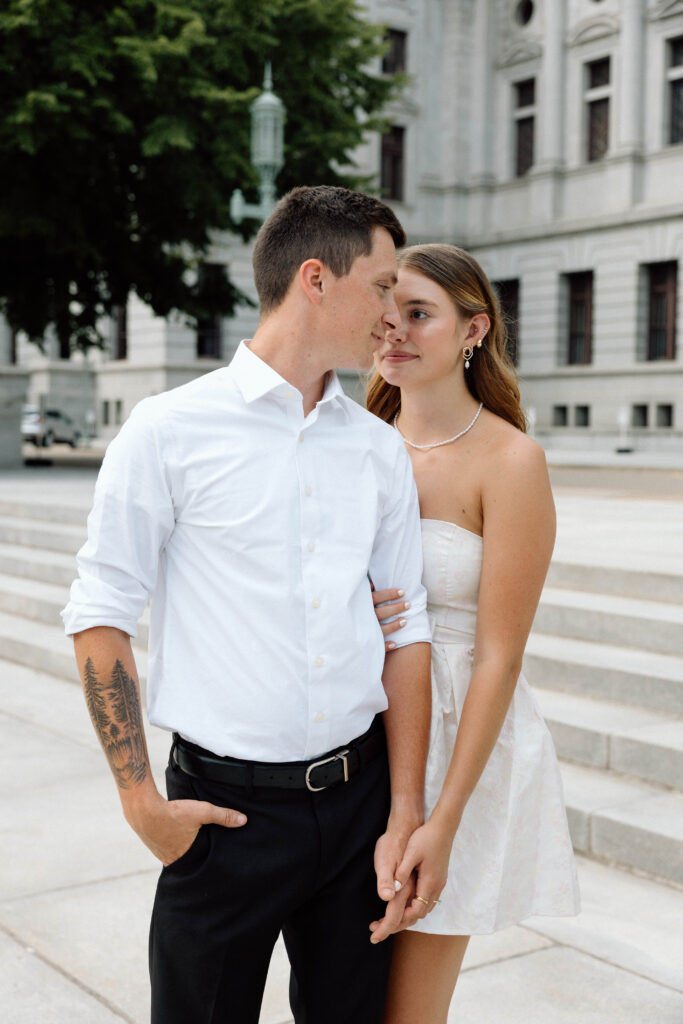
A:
<point x="387" y="604"/>
<point x="422" y="874"/>
<point x="426" y="859"/>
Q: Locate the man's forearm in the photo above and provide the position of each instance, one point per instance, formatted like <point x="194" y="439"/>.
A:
<point x="407" y="683"/>
<point x="109" y="676"/>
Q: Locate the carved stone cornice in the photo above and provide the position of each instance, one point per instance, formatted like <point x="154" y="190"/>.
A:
<point x="517" y="51"/>
<point x="665" y="9"/>
<point x="596" y="27"/>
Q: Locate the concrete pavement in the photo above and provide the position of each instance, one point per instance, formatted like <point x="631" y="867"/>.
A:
<point x="76" y="886"/>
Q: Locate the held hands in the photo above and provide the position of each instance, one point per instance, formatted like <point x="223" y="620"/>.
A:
<point x="169" y="827"/>
<point x="387" y="604"/>
<point x="422" y="873"/>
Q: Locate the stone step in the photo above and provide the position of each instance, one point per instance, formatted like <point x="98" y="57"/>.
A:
<point x="46" y="512"/>
<point x="52" y="537"/>
<point x="44" y="647"/>
<point x="606" y="672"/>
<point x="603" y="618"/>
<point x="55" y="567"/>
<point x="633" y="741"/>
<point x="43" y="602"/>
<point x="625" y="821"/>
<point x="637" y="583"/>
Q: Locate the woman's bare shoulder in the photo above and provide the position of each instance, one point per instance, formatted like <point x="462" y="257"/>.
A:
<point x="510" y="447"/>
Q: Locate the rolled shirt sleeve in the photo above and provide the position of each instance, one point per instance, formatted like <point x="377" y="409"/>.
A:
<point x="397" y="554"/>
<point x="131" y="520"/>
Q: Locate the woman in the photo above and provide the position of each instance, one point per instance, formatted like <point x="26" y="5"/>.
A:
<point x="495" y="824"/>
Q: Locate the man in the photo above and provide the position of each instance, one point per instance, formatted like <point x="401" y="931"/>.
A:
<point x="252" y="505"/>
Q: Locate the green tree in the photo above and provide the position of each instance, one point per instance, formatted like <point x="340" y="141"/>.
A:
<point x="124" y="129"/>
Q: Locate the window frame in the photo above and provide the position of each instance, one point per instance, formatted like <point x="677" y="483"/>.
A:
<point x="392" y="159"/>
<point x="395" y="60"/>
<point x="592" y="96"/>
<point x="582" y="279"/>
<point x="667" y="286"/>
<point x="523" y="114"/>
<point x="674" y="81"/>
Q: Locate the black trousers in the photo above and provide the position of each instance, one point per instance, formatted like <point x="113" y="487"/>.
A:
<point x="303" y="865"/>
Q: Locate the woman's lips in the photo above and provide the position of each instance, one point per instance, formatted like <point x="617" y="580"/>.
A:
<point x="399" y="357"/>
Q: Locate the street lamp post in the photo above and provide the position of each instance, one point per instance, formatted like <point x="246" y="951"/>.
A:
<point x="267" y="152"/>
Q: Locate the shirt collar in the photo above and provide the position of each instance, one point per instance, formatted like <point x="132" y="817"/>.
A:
<point x="255" y="378"/>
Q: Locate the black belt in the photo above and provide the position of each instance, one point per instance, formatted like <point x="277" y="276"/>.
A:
<point x="338" y="765"/>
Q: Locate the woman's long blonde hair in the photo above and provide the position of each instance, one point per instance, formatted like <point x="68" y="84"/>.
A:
<point x="491" y="377"/>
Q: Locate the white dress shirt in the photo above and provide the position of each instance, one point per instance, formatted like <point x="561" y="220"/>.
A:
<point x="253" y="530"/>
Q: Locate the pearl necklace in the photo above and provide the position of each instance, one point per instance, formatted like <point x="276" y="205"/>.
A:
<point x="438" y="444"/>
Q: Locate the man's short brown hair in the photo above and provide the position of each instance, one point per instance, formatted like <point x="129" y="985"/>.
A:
<point x="325" y="222"/>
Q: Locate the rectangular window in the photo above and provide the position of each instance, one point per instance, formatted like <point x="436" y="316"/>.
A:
<point x="582" y="416"/>
<point x="579" y="342"/>
<point x="665" y="415"/>
<point x="598" y="73"/>
<point x="524" y="115"/>
<point x="210" y="293"/>
<point x="661" y="338"/>
<point x="675" y="80"/>
<point x="120" y="314"/>
<point x="508" y="298"/>
<point x="395" y="59"/>
<point x="639" y="416"/>
<point x="560" y="416"/>
<point x="105" y="414"/>
<point x="13" y="356"/>
<point x="210" y="337"/>
<point x="118" y="412"/>
<point x="391" y="170"/>
<point x="597" y="97"/>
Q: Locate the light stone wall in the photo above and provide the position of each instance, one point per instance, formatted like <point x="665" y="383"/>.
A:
<point x="612" y="217"/>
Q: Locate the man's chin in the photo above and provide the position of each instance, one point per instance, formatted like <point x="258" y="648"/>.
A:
<point x="360" y="365"/>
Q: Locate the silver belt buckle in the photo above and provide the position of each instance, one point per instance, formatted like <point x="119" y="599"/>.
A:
<point x="342" y="755"/>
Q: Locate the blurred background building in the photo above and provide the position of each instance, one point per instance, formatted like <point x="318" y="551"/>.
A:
<point x="546" y="136"/>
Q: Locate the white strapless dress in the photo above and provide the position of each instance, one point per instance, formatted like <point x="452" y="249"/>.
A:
<point x="512" y="856"/>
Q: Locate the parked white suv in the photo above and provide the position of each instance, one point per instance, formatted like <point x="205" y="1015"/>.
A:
<point x="45" y="429"/>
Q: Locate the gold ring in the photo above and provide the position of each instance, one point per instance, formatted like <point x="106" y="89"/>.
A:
<point x="422" y="900"/>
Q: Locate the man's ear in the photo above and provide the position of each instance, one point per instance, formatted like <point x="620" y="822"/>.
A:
<point x="312" y="279"/>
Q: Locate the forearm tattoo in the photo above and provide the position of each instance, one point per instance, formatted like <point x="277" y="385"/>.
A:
<point x="114" y="707"/>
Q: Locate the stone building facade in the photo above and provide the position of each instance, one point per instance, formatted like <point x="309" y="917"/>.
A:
<point x="546" y="136"/>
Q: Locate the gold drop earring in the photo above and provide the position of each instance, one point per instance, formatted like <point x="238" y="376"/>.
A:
<point x="468" y="352"/>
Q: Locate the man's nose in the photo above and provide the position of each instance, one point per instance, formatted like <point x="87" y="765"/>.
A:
<point x="393" y="330"/>
<point x="391" y="317"/>
<point x="392" y="320"/>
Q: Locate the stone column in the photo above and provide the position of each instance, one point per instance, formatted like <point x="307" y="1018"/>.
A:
<point x="631" y="85"/>
<point x="480" y="126"/>
<point x="550" y="90"/>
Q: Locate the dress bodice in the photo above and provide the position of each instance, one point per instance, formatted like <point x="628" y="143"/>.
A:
<point x="452" y="570"/>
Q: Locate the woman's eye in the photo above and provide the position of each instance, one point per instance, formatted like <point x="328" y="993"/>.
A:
<point x="418" y="314"/>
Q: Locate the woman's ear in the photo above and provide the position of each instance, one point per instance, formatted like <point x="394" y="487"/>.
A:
<point x="478" y="328"/>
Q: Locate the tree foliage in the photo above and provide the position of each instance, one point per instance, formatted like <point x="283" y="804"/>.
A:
<point x="124" y="129"/>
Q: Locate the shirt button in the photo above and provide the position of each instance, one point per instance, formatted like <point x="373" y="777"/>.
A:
<point x="291" y="393"/>
<point x="308" y="492"/>
<point x="301" y="436"/>
<point x="315" y="603"/>
<point x="320" y="717"/>
<point x="310" y="546"/>
<point x="319" y="662"/>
